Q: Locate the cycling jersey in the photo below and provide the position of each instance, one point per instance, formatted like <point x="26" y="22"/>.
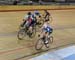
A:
<point x="47" y="15"/>
<point x="27" y="16"/>
<point x="47" y="28"/>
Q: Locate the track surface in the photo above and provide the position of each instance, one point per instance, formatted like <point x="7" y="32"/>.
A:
<point x="11" y="48"/>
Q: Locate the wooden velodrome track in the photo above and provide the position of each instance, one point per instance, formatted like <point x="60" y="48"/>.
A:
<point x="10" y="48"/>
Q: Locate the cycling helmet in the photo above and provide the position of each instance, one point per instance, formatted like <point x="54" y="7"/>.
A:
<point x="36" y="12"/>
<point x="29" y="13"/>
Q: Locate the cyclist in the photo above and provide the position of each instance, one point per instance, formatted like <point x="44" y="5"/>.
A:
<point x="28" y="22"/>
<point x="47" y="15"/>
<point x="36" y="15"/>
<point x="46" y="31"/>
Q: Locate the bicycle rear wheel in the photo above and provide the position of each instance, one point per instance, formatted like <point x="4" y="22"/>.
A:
<point x="39" y="44"/>
<point x="21" y="34"/>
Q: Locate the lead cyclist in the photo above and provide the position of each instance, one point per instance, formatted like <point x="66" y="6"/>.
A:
<point x="46" y="30"/>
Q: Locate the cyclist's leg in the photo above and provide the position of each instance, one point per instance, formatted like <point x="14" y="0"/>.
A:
<point x="26" y="26"/>
<point x="31" y="27"/>
<point x="27" y="23"/>
<point x="44" y="34"/>
<point x="35" y="20"/>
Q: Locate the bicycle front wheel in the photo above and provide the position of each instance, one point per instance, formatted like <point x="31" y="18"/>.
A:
<point x="39" y="44"/>
<point x="41" y="23"/>
<point x="21" y="34"/>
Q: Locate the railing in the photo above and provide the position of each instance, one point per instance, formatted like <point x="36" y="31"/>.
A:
<point x="27" y="2"/>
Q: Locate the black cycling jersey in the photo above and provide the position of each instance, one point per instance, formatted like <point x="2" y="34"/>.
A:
<point x="47" y="14"/>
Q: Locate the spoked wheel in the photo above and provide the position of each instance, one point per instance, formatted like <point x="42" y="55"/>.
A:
<point x="41" y="23"/>
<point x="21" y="34"/>
<point x="39" y="44"/>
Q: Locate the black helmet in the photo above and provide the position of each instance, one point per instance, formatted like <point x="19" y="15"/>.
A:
<point x="29" y="13"/>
